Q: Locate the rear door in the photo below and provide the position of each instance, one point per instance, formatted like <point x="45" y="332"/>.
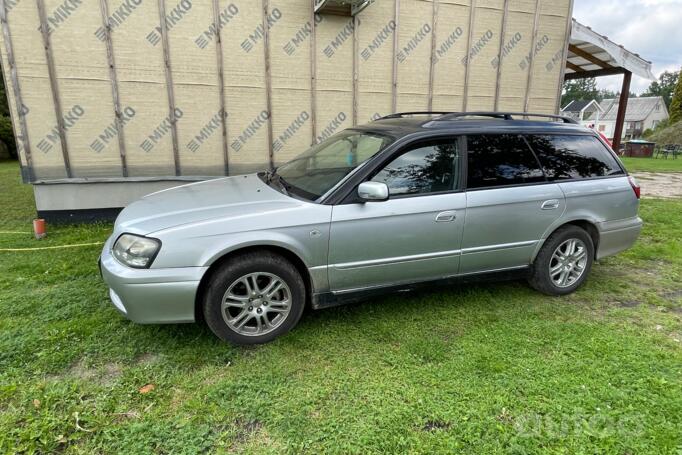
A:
<point x="595" y="185"/>
<point x="510" y="203"/>
<point x="413" y="236"/>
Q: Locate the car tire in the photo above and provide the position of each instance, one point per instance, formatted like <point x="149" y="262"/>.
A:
<point x="238" y="306"/>
<point x="564" y="261"/>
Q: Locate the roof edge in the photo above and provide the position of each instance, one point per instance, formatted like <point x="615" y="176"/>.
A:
<point x="626" y="59"/>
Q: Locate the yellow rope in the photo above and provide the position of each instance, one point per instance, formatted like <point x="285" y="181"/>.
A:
<point x="75" y="245"/>
<point x="14" y="232"/>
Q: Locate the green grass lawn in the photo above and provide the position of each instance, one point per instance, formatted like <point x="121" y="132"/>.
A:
<point x="494" y="368"/>
<point x="652" y="164"/>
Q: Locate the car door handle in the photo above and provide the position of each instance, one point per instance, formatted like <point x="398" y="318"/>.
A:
<point x="448" y="215"/>
<point x="550" y="204"/>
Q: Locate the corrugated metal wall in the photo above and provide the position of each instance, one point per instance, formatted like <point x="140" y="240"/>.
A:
<point x="142" y="97"/>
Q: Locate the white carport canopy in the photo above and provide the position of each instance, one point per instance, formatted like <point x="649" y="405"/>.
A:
<point x="592" y="55"/>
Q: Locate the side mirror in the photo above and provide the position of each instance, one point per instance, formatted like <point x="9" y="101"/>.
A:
<point x="373" y="191"/>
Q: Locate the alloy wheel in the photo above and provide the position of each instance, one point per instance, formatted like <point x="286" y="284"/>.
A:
<point x="568" y="263"/>
<point x="256" y="304"/>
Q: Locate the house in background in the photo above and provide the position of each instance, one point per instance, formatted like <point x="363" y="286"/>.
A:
<point x="585" y="112"/>
<point x="641" y="114"/>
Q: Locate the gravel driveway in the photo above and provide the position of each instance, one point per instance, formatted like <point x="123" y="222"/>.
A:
<point x="660" y="184"/>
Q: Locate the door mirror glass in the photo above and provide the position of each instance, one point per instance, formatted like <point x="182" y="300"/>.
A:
<point x="373" y="191"/>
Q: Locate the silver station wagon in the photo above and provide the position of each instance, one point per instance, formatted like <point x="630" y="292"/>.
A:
<point x="410" y="199"/>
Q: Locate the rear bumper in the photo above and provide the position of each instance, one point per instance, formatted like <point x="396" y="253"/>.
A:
<point x="151" y="296"/>
<point x="617" y="236"/>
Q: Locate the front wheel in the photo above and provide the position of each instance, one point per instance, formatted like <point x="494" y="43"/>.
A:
<point x="564" y="261"/>
<point x="254" y="298"/>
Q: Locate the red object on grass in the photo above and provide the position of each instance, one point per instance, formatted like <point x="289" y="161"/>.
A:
<point x="39" y="228"/>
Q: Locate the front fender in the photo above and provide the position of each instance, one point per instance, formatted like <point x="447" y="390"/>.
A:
<point x="309" y="243"/>
<point x="312" y="251"/>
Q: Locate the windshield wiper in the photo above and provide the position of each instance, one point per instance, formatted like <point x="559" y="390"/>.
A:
<point x="272" y="176"/>
<point x="282" y="183"/>
<point x="269" y="175"/>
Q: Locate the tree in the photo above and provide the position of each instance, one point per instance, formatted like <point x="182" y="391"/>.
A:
<point x="586" y="89"/>
<point x="579" y="89"/>
<point x="6" y="132"/>
<point x="664" y="86"/>
<point x="676" y="103"/>
<point x="606" y="94"/>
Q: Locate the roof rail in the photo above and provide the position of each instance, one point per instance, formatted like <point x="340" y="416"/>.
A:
<point x="406" y="114"/>
<point x="502" y="115"/>
<point x="442" y="115"/>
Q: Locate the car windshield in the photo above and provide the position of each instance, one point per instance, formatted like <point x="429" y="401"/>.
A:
<point x="317" y="170"/>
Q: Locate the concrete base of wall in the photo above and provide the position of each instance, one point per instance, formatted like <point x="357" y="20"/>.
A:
<point x="83" y="216"/>
<point x="89" y="202"/>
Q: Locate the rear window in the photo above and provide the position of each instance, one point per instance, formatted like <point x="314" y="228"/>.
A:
<point x="499" y="160"/>
<point x="574" y="157"/>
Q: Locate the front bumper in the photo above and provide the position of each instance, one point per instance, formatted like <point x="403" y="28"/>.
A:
<point x="151" y="296"/>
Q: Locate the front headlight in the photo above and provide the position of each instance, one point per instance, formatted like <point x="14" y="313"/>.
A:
<point x="136" y="251"/>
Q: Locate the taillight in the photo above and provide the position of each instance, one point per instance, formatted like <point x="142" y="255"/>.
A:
<point x="634" y="185"/>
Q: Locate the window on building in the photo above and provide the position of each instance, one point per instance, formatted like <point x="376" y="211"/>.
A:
<point x="502" y="159"/>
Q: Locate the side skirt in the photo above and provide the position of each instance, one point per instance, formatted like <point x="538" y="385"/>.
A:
<point x="332" y="299"/>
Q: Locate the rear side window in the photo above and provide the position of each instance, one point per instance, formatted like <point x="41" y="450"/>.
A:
<point x="499" y="160"/>
<point x="574" y="157"/>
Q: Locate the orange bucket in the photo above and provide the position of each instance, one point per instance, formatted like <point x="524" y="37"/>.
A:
<point x="39" y="228"/>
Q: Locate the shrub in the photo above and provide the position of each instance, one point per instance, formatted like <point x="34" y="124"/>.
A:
<point x="669" y="135"/>
<point x="7" y="135"/>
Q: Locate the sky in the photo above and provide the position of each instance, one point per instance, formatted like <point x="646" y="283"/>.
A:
<point x="650" y="28"/>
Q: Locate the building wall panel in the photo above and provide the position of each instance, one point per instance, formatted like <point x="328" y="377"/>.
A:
<point x="464" y="73"/>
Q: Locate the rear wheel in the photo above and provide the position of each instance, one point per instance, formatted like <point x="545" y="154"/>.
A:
<point x="254" y="298"/>
<point x="564" y="261"/>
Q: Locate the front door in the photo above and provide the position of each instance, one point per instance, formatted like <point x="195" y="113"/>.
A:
<point x="414" y="235"/>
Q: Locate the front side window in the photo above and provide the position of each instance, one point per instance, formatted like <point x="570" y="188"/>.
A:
<point x="500" y="160"/>
<point x="317" y="170"/>
<point x="574" y="157"/>
<point x="425" y="168"/>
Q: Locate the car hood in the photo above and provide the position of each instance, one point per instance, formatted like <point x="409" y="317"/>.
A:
<point x="197" y="202"/>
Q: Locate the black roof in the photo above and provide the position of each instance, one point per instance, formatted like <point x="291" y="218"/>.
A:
<point x="576" y="105"/>
<point x="399" y="125"/>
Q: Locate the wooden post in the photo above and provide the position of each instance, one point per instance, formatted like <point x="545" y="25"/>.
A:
<point x="432" y="62"/>
<point x="394" y="73"/>
<point x="470" y="40"/>
<point x="500" y="55"/>
<point x="54" y="85"/>
<point x="169" y="86"/>
<point x="268" y="80"/>
<point x="622" y="108"/>
<point x="531" y="62"/>
<point x="118" y="115"/>
<point x="356" y="68"/>
<point x="564" y="58"/>
<point x="313" y="73"/>
<point x="221" y="86"/>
